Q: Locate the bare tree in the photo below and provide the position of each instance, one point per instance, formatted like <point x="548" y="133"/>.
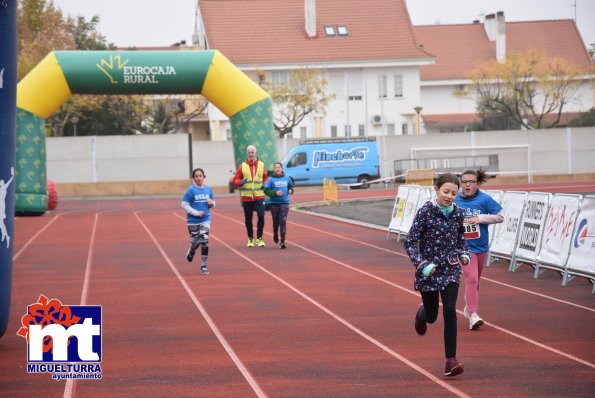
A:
<point x="304" y="92"/>
<point x="529" y="88"/>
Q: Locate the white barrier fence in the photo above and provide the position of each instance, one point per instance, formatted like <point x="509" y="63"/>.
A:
<point x="546" y="231"/>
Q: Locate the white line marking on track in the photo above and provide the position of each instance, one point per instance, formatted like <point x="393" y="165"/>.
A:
<point x="234" y="357"/>
<point x="406" y="256"/>
<point x="360" y="332"/>
<point x="556" y="351"/>
<point x="35" y="237"/>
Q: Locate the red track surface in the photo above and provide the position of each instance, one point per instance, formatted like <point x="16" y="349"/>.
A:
<point x="331" y="316"/>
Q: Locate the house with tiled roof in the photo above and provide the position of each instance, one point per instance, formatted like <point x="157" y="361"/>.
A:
<point x="387" y="76"/>
<point x="365" y="49"/>
<point x="460" y="48"/>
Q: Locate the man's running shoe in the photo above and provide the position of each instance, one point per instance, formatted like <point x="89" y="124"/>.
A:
<point x="260" y="242"/>
<point x="250" y="242"/>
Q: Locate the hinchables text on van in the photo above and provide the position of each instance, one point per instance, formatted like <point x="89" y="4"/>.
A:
<point x="345" y="161"/>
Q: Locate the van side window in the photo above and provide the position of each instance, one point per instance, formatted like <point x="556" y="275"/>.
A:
<point x="298" y="159"/>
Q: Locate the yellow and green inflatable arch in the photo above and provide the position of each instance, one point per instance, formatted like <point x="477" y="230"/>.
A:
<point x="64" y="73"/>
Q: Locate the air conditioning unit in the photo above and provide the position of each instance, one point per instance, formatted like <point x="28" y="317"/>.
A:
<point x="377" y="119"/>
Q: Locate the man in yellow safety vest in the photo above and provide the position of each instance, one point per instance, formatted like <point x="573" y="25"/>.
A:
<point x="250" y="177"/>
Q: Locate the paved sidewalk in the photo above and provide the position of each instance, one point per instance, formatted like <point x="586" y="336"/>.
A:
<point x="376" y="212"/>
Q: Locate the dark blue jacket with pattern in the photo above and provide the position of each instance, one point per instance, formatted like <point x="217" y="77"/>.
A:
<point x="435" y="238"/>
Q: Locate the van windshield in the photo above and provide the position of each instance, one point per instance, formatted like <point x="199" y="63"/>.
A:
<point x="296" y="159"/>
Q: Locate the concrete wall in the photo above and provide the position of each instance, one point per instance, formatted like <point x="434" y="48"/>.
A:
<point x="160" y="164"/>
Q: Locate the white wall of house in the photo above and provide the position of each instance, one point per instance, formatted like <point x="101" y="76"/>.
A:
<point x="167" y="157"/>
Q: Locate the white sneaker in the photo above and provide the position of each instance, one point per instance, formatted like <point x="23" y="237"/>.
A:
<point x="475" y="321"/>
<point x="466" y="313"/>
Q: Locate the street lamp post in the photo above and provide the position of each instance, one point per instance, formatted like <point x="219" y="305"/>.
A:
<point x="74" y="121"/>
<point x="417" y="111"/>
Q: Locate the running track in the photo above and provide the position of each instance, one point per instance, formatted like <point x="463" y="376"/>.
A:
<point x="331" y="316"/>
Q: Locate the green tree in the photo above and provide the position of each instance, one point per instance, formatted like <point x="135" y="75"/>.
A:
<point x="528" y="90"/>
<point x="42" y="28"/>
<point x="304" y="92"/>
<point x="586" y="119"/>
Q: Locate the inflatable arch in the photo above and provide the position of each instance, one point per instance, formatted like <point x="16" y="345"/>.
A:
<point x="63" y="73"/>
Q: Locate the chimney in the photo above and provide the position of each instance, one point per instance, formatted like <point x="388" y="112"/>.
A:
<point x="500" y="37"/>
<point x="310" y="10"/>
<point x="490" y="26"/>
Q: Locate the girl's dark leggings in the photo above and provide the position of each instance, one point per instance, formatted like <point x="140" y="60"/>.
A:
<point x="449" y="313"/>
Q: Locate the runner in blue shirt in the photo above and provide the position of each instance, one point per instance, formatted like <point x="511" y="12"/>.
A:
<point x="198" y="201"/>
<point x="480" y="209"/>
<point x="278" y="187"/>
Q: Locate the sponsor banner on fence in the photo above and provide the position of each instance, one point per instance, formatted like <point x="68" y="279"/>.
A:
<point x="410" y="209"/>
<point x="505" y="233"/>
<point x="559" y="226"/>
<point x="532" y="225"/>
<point x="582" y="248"/>
<point x="398" y="208"/>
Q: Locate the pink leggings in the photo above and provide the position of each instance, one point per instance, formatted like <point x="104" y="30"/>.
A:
<point x="472" y="276"/>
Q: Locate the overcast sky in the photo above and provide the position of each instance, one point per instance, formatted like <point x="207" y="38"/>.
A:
<point x="162" y="23"/>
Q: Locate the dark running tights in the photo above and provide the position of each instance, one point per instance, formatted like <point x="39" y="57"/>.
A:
<point x="249" y="208"/>
<point x="449" y="312"/>
<point x="279" y="214"/>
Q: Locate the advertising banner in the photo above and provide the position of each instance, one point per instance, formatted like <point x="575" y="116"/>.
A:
<point x="558" y="231"/>
<point x="505" y="233"/>
<point x="532" y="225"/>
<point x="398" y="209"/>
<point x="410" y="209"/>
<point x="582" y="248"/>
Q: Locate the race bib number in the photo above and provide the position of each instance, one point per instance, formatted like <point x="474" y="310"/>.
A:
<point x="471" y="231"/>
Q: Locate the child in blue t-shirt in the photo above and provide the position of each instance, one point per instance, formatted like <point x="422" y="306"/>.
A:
<point x="278" y="187"/>
<point x="198" y="201"/>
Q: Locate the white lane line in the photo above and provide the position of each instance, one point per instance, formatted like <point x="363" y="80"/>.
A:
<point x="483" y="277"/>
<point x="360" y="332"/>
<point x="35" y="237"/>
<point x="70" y="383"/>
<point x="238" y="362"/>
<point x="534" y="342"/>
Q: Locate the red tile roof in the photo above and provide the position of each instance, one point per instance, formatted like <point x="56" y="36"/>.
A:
<point x="459" y="48"/>
<point x="273" y="31"/>
<point x="448" y="118"/>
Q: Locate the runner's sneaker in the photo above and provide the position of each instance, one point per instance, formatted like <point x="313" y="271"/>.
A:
<point x="453" y="367"/>
<point x="420" y="326"/>
<point x="190" y="255"/>
<point x="204" y="270"/>
<point x="275" y="237"/>
<point x="475" y="321"/>
<point x="250" y="242"/>
<point x="282" y="245"/>
<point x="260" y="242"/>
<point x="466" y="312"/>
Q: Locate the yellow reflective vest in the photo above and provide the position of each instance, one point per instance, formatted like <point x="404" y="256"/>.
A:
<point x="253" y="187"/>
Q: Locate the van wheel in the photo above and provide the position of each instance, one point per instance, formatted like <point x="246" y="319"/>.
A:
<point x="363" y="179"/>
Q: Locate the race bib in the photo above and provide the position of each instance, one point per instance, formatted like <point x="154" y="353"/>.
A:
<point x="471" y="231"/>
